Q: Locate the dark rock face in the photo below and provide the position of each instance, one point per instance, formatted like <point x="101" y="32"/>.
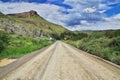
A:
<point x="25" y="14"/>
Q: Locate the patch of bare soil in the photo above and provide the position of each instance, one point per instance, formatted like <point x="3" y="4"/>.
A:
<point x="6" y="61"/>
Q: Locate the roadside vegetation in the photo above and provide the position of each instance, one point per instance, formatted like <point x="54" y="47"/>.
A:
<point x="12" y="46"/>
<point x="105" y="44"/>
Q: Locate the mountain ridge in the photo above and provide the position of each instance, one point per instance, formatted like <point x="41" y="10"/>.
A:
<point x="24" y="14"/>
<point x="29" y="24"/>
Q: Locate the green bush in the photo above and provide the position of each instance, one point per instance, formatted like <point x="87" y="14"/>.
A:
<point x="19" y="46"/>
<point x="105" y="44"/>
<point x="73" y="35"/>
<point x="55" y="36"/>
<point x="111" y="34"/>
<point x="4" y="40"/>
<point x="116" y="42"/>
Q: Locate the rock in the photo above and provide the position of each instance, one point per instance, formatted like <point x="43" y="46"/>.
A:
<point x="20" y="30"/>
<point x="25" y="14"/>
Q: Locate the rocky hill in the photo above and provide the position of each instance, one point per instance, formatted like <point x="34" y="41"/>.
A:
<point x="29" y="24"/>
<point x="24" y="14"/>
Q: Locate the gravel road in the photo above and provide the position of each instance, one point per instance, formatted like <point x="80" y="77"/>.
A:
<point x="60" y="61"/>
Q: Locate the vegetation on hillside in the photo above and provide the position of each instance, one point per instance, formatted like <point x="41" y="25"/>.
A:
<point x="105" y="44"/>
<point x="4" y="40"/>
<point x="25" y="32"/>
<point x="36" y="22"/>
<point x="29" y="24"/>
<point x="12" y="46"/>
<point x="70" y="35"/>
<point x="28" y="33"/>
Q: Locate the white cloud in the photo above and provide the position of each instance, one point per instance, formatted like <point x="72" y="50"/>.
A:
<point x="110" y="23"/>
<point x="110" y="2"/>
<point x="102" y="11"/>
<point x="100" y="26"/>
<point x="95" y="10"/>
<point x="103" y="6"/>
<point x="84" y="22"/>
<point x="117" y="17"/>
<point x="89" y="10"/>
<point x="113" y="18"/>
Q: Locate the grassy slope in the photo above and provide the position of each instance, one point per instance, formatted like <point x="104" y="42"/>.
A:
<point x="103" y="44"/>
<point x="36" y="22"/>
<point x="20" y="46"/>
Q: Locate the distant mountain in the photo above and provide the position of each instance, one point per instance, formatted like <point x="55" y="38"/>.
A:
<point x="29" y="24"/>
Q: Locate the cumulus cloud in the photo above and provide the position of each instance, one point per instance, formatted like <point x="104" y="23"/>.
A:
<point x="89" y="10"/>
<point x="110" y="2"/>
<point x="108" y="24"/>
<point x="83" y="10"/>
<point x="117" y="17"/>
<point x="89" y="15"/>
<point x="111" y="25"/>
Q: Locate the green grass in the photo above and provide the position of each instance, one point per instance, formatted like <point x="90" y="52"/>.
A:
<point x="37" y="23"/>
<point x="100" y="44"/>
<point x="32" y="25"/>
<point x="20" y="46"/>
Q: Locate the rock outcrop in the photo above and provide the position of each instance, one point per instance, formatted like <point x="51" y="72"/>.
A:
<point x="20" y="30"/>
<point x="29" y="24"/>
<point x="10" y="27"/>
<point x="25" y="14"/>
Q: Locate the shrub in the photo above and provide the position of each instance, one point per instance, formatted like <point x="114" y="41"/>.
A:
<point x="112" y="34"/>
<point x="105" y="44"/>
<point x="4" y="40"/>
<point x="79" y="36"/>
<point x="55" y="36"/>
<point x="115" y="42"/>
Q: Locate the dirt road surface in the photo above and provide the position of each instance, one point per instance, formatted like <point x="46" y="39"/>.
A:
<point x="60" y="61"/>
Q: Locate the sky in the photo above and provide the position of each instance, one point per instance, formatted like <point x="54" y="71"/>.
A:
<point x="72" y="14"/>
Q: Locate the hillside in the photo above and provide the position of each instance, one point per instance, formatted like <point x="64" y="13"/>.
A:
<point x="29" y="24"/>
<point x="26" y="32"/>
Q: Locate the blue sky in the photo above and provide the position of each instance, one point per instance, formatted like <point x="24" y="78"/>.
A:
<point x="72" y="14"/>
